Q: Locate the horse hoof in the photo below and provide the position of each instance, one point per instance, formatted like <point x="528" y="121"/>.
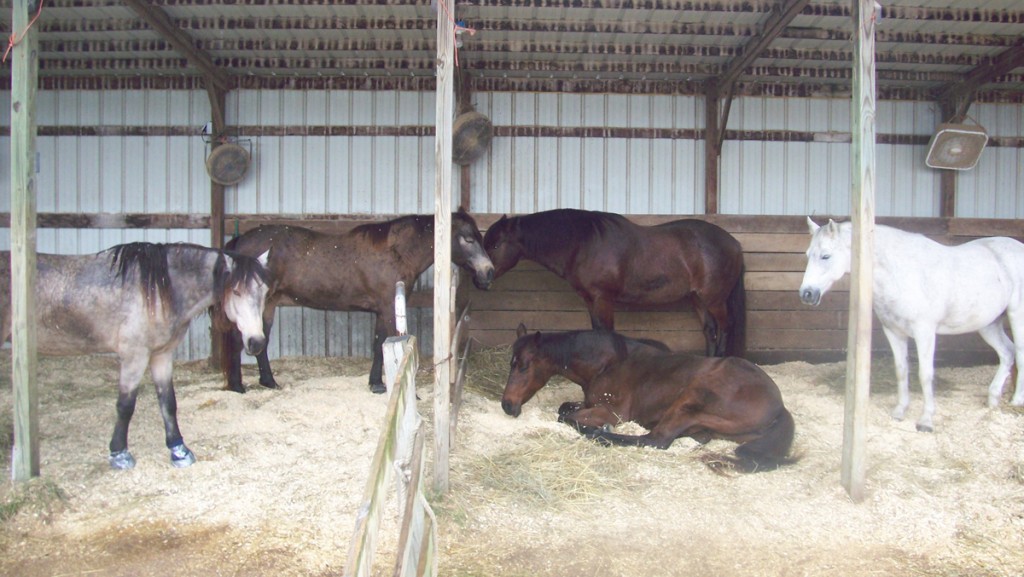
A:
<point x="924" y="428"/>
<point x="239" y="388"/>
<point x="182" y="456"/>
<point x="378" y="388"/>
<point x="271" y="385"/>
<point x="567" y="408"/>
<point x="122" y="460"/>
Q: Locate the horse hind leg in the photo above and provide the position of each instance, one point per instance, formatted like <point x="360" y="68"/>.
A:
<point x="161" y="367"/>
<point x="1017" y="328"/>
<point x="996" y="338"/>
<point x="132" y="368"/>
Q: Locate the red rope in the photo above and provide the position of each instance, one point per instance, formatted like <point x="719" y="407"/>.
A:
<point x="456" y="27"/>
<point x="14" y="37"/>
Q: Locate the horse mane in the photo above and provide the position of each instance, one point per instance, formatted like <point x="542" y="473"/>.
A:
<point x="149" y="263"/>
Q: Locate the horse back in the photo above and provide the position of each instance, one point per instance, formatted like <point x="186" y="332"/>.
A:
<point x="353" y="270"/>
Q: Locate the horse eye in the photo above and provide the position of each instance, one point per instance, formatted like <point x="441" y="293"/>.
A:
<point x="237" y="292"/>
<point x="826" y="256"/>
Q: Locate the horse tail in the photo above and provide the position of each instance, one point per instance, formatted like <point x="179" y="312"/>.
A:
<point x="770" y="450"/>
<point x="736" y="340"/>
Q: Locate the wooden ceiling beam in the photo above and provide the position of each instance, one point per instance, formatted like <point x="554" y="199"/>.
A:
<point x="784" y="13"/>
<point x="181" y="41"/>
<point x="1002" y="64"/>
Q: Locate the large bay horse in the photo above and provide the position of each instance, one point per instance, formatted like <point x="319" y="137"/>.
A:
<point x="137" y="300"/>
<point x="670" y="394"/>
<point x="353" y="271"/>
<point x="923" y="288"/>
<point x="609" y="260"/>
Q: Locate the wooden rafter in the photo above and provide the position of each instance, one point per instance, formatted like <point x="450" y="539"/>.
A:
<point x="776" y="23"/>
<point x="962" y="92"/>
<point x="181" y="41"/>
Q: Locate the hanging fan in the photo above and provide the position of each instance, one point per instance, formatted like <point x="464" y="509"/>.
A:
<point x="227" y="164"/>
<point x="471" y="131"/>
<point x="956" y="146"/>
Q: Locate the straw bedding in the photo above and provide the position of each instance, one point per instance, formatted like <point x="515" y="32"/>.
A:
<point x="281" y="473"/>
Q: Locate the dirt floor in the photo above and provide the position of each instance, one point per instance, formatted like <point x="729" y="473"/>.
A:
<point x="280" y="475"/>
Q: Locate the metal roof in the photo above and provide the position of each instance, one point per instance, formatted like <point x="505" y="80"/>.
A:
<point x="924" y="48"/>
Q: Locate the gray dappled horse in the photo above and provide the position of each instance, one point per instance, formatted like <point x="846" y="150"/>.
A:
<point x="137" y="300"/>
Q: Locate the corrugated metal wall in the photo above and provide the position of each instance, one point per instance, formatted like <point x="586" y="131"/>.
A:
<point x="297" y="171"/>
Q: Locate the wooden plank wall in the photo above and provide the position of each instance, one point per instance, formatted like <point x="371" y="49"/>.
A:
<point x="779" y="326"/>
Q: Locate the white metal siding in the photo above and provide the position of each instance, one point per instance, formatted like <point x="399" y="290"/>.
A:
<point x="318" y="174"/>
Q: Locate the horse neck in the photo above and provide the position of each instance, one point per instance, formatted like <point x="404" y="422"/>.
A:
<point x="550" y="241"/>
<point x="412" y="239"/>
<point x="191" y="271"/>
<point x="578" y="361"/>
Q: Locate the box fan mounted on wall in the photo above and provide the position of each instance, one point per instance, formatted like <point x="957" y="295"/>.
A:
<point x="229" y="160"/>
<point x="956" y="146"/>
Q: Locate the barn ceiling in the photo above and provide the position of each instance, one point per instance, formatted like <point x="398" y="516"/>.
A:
<point x="926" y="49"/>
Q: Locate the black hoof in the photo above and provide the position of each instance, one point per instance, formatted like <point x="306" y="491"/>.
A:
<point x="239" y="388"/>
<point x="378" y="388"/>
<point x="271" y="385"/>
<point x="568" y="408"/>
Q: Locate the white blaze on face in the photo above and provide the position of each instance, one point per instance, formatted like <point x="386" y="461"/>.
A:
<point x="244" y="306"/>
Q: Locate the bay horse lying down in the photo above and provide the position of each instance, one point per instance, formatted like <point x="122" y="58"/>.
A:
<point x="137" y="300"/>
<point x="670" y="394"/>
<point x="352" y="271"/>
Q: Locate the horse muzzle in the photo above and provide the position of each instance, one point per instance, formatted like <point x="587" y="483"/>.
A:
<point x="254" y="345"/>
<point x="810" y="296"/>
<point x="483" y="280"/>
<point x="510" y="408"/>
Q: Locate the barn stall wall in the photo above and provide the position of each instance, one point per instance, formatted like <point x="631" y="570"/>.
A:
<point x="371" y="152"/>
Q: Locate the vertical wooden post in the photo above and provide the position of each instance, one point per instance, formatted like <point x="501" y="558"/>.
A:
<point x="858" y="365"/>
<point x="24" y="82"/>
<point x="443" y="244"/>
<point x="217" y="105"/>
<point x="712" y="149"/>
<point x="947" y="177"/>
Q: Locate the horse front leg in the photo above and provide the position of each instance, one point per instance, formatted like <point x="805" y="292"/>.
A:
<point x="926" y="374"/>
<point x="132" y="368"/>
<point x="262" y="358"/>
<point x="602" y="313"/>
<point x="898" y="344"/>
<point x="161" y="367"/>
<point x="384" y="327"/>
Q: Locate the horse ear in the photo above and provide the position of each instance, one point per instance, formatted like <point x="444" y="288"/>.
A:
<point x="833" y="227"/>
<point x="813" y="228"/>
<point x="264" y="258"/>
<point x="520" y="330"/>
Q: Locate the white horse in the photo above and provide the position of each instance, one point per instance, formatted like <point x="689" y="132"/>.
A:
<point x="923" y="288"/>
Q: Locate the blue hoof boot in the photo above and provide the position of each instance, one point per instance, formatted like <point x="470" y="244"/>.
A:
<point x="122" y="460"/>
<point x="182" y="456"/>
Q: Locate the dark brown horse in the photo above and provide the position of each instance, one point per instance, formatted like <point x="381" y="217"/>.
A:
<point x="609" y="260"/>
<point x="670" y="394"/>
<point x="353" y="271"/>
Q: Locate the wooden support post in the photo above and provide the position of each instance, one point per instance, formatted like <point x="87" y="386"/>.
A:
<point x="217" y="104"/>
<point x="947" y="177"/>
<point x="442" y="246"/>
<point x="858" y="365"/>
<point x="24" y="82"/>
<point x="712" y="146"/>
